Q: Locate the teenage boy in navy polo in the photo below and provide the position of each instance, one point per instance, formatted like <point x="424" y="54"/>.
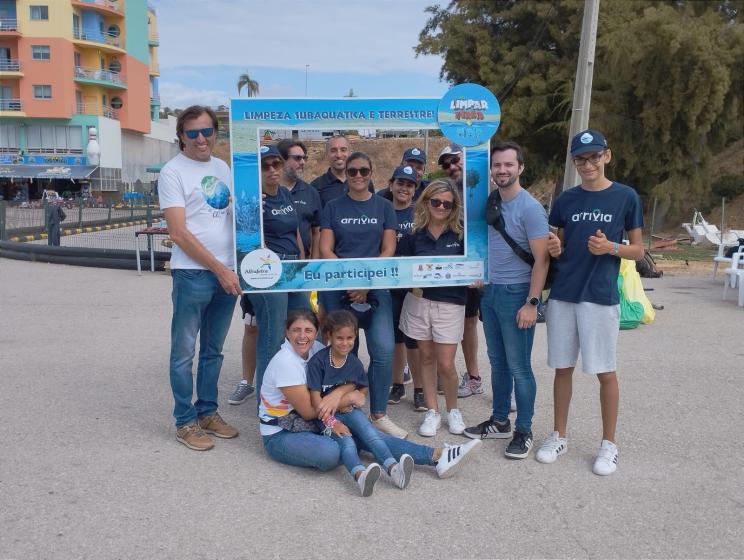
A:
<point x="583" y="312"/>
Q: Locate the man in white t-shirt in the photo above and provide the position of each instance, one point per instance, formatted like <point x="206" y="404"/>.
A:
<point x="194" y="191"/>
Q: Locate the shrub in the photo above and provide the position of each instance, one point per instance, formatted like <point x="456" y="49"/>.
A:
<point x="728" y="186"/>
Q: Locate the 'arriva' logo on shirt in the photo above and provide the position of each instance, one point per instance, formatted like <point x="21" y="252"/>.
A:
<point x="593" y="216"/>
<point x="453" y="244"/>
<point x="283" y="211"/>
<point x="362" y="220"/>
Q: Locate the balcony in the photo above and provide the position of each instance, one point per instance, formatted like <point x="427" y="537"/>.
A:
<point x="106" y="7"/>
<point x="9" y="27"/>
<point x="100" y="39"/>
<point x="96" y="76"/>
<point x="95" y="109"/>
<point x="11" y="108"/>
<point x="10" y="68"/>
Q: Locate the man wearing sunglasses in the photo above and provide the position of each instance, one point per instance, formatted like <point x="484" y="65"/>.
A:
<point x="194" y="190"/>
<point x="451" y="161"/>
<point x="583" y="311"/>
<point x="510" y="299"/>
<point x="306" y="199"/>
<point x="332" y="184"/>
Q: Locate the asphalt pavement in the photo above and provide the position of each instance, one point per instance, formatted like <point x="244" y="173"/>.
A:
<point x="90" y="468"/>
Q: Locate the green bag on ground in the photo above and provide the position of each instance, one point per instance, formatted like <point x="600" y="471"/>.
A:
<point x="631" y="312"/>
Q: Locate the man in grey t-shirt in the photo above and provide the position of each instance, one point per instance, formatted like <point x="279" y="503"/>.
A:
<point x="509" y="302"/>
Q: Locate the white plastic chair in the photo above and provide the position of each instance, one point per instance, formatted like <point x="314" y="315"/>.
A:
<point x="719" y="258"/>
<point x="735" y="277"/>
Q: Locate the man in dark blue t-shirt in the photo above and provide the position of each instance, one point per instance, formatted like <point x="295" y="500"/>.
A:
<point x="583" y="312"/>
<point x="305" y="198"/>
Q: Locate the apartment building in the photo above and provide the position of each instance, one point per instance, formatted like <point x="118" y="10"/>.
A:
<point x="68" y="67"/>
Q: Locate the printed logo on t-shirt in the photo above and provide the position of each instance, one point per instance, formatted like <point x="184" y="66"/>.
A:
<point x="595" y="215"/>
<point x="282" y="210"/>
<point x="362" y="220"/>
<point x="453" y="244"/>
<point x="216" y="193"/>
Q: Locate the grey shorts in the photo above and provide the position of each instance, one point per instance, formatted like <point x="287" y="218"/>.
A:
<point x="587" y="327"/>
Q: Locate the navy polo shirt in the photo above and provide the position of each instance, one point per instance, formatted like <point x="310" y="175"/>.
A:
<point x="358" y="226"/>
<point x="405" y="221"/>
<point x="581" y="276"/>
<point x="329" y="187"/>
<point x="423" y="244"/>
<point x="307" y="205"/>
<point x="323" y="377"/>
<point x="280" y="223"/>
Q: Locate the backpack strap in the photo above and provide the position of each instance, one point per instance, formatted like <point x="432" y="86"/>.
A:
<point x="495" y="217"/>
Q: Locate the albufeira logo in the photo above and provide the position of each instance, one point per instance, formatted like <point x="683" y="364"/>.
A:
<point x="261" y="268"/>
<point x="469" y="110"/>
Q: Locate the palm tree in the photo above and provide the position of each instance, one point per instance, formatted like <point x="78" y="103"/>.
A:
<point x="250" y="85"/>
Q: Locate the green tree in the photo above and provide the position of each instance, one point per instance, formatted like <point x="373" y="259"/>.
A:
<point x="250" y="85"/>
<point x="668" y="81"/>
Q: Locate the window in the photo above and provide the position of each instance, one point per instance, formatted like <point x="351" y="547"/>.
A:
<point x="115" y="65"/>
<point x="8" y="138"/>
<point x="114" y="30"/>
<point x="77" y="60"/>
<point x="40" y="52"/>
<point x="116" y="103"/>
<point x="39" y="12"/>
<point x="42" y="92"/>
<point x="58" y="139"/>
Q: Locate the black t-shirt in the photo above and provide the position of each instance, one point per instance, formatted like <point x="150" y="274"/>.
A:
<point x="423" y="244"/>
<point x="280" y="223"/>
<point x="323" y="377"/>
<point x="307" y="205"/>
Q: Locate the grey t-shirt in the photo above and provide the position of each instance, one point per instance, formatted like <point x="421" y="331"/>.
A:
<point x="525" y="219"/>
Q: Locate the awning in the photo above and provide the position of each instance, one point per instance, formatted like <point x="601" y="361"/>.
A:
<point x="46" y="171"/>
<point x="156" y="168"/>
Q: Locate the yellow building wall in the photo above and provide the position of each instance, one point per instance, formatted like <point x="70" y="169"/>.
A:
<point x="59" y="23"/>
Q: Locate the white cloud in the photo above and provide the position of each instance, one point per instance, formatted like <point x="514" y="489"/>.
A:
<point x="354" y="36"/>
<point x="177" y="95"/>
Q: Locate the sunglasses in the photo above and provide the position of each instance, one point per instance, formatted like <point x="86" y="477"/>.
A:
<point x="298" y="157"/>
<point x="277" y="164"/>
<point x="361" y="171"/>
<point x="446" y="204"/>
<point x="194" y="134"/>
<point x="450" y="161"/>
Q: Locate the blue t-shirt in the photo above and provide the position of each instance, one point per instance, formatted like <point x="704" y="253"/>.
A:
<point x="358" y="226"/>
<point x="405" y="221"/>
<point x="280" y="223"/>
<point x="423" y="244"/>
<point x="323" y="377"/>
<point x="524" y="219"/>
<point x="581" y="276"/>
<point x="307" y="205"/>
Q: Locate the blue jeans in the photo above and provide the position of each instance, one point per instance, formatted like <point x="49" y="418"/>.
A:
<point x="200" y="307"/>
<point x="509" y="351"/>
<point x="364" y="432"/>
<point x="379" y="331"/>
<point x="305" y="449"/>
<point x="270" y="310"/>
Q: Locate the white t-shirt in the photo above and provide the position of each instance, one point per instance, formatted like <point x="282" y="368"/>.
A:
<point x="285" y="369"/>
<point x="203" y="190"/>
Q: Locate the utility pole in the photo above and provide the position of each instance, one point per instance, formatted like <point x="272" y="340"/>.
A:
<point x="307" y="66"/>
<point x="583" y="86"/>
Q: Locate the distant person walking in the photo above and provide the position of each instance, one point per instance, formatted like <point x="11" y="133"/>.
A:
<point x="583" y="313"/>
<point x="195" y="197"/>
<point x="55" y="217"/>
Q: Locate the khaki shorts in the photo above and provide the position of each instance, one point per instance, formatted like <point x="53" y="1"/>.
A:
<point x="424" y="319"/>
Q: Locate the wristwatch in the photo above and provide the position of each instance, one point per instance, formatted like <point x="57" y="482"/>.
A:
<point x="533" y="301"/>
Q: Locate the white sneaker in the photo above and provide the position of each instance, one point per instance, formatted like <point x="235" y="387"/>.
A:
<point x="367" y="479"/>
<point x="401" y="471"/>
<point x="430" y="425"/>
<point x="469" y="386"/>
<point x="552" y="448"/>
<point x="389" y="427"/>
<point x="454" y="457"/>
<point x="606" y="462"/>
<point x="454" y="421"/>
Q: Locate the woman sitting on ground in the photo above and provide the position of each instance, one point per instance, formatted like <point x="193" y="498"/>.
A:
<point x="285" y="405"/>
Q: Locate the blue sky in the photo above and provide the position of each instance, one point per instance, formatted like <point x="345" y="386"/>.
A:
<point x="365" y="45"/>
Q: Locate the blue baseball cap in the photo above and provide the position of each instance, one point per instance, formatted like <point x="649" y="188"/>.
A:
<point x="406" y="172"/>
<point x="452" y="149"/>
<point x="414" y="154"/>
<point x="270" y="151"/>
<point x="588" y="141"/>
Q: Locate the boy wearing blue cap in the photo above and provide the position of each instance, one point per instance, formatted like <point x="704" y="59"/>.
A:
<point x="583" y="313"/>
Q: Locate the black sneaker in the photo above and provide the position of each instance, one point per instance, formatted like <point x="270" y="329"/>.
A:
<point x="419" y="404"/>
<point x="397" y="392"/>
<point x="520" y="445"/>
<point x="490" y="430"/>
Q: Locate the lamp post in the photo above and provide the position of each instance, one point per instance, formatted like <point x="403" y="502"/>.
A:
<point x="307" y="66"/>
